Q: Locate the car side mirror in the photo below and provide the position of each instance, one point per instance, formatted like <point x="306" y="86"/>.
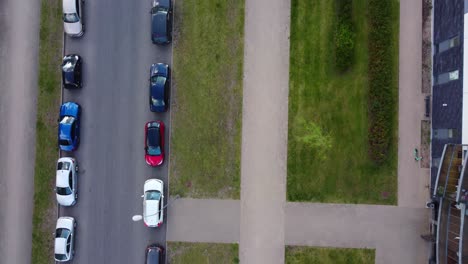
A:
<point x="142" y="196"/>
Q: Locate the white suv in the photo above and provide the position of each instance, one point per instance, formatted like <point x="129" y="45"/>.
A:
<point x="153" y="203"/>
<point x="73" y="17"/>
<point x="66" y="181"/>
<point x="64" y="239"/>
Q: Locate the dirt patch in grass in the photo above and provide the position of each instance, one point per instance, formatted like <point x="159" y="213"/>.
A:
<point x="202" y="253"/>
<point x="207" y="99"/>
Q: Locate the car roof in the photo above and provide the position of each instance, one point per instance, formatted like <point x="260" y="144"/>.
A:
<point x="60" y="245"/>
<point x="153" y="136"/>
<point x="159" y="24"/>
<point x="151" y="212"/>
<point x="62" y="178"/>
<point x="69" y="6"/>
<point x="157" y="91"/>
<point x="65" y="131"/>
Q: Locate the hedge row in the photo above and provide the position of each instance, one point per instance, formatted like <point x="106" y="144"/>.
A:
<point x="344" y="35"/>
<point x="382" y="99"/>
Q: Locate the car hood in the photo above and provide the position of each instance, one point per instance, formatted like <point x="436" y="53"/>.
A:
<point x="154" y="160"/>
<point x="153" y="185"/>
<point x="69" y="109"/>
<point x="73" y="28"/>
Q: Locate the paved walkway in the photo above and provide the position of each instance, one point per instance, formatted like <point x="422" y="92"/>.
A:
<point x="264" y="131"/>
<point x="19" y="44"/>
<point x="411" y="178"/>
<point x="393" y="231"/>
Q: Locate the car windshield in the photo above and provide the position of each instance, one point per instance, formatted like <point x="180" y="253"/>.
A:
<point x="153" y="151"/>
<point x="157" y="102"/>
<point x="63" y="165"/>
<point x="64" y="142"/>
<point x="62" y="232"/>
<point x="159" y="80"/>
<point x="69" y="64"/>
<point x="159" y="8"/>
<point x="60" y="256"/>
<point x="70" y="18"/>
<point x="64" y="191"/>
<point x="152" y="195"/>
<point x="67" y="120"/>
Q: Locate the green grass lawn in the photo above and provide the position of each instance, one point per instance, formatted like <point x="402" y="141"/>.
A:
<point x="335" y="103"/>
<point x="300" y="255"/>
<point x="207" y="98"/>
<point x="202" y="253"/>
<point x="50" y="54"/>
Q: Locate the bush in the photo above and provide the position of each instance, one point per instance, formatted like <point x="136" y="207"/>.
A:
<point x="381" y="71"/>
<point x="344" y="35"/>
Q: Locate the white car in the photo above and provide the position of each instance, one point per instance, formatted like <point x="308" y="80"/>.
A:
<point x="153" y="203"/>
<point x="66" y="181"/>
<point x="64" y="239"/>
<point x="73" y="17"/>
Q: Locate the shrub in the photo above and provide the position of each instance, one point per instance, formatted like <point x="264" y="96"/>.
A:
<point x="381" y="80"/>
<point x="344" y="35"/>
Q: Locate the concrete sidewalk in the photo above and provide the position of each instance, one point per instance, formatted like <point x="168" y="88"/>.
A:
<point x="393" y="231"/>
<point x="264" y="131"/>
<point x="19" y="47"/>
<point x="412" y="179"/>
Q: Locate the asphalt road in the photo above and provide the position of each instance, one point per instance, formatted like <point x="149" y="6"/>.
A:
<point x="117" y="53"/>
<point x="19" y="46"/>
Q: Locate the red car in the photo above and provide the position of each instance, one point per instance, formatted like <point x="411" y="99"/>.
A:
<point x="154" y="143"/>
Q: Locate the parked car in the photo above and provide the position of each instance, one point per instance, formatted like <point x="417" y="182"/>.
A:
<point x="71" y="71"/>
<point x="154" y="143"/>
<point x="69" y="126"/>
<point x="73" y="17"/>
<point x="159" y="87"/>
<point x="66" y="181"/>
<point x="64" y="239"/>
<point x="154" y="254"/>
<point x="161" y="22"/>
<point x="153" y="203"/>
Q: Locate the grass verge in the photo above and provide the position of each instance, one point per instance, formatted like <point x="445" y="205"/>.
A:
<point x="331" y="162"/>
<point x="50" y="54"/>
<point x="299" y="255"/>
<point x="207" y="98"/>
<point x="201" y="253"/>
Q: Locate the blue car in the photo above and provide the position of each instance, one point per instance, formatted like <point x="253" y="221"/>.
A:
<point x="159" y="87"/>
<point x="69" y="126"/>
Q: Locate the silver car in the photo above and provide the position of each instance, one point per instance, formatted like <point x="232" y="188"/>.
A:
<point x="64" y="239"/>
<point x="153" y="203"/>
<point x="73" y="17"/>
<point x="66" y="181"/>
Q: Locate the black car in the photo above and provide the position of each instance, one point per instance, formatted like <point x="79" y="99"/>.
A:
<point x="71" y="71"/>
<point x="154" y="254"/>
<point x="159" y="87"/>
<point x="161" y="23"/>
